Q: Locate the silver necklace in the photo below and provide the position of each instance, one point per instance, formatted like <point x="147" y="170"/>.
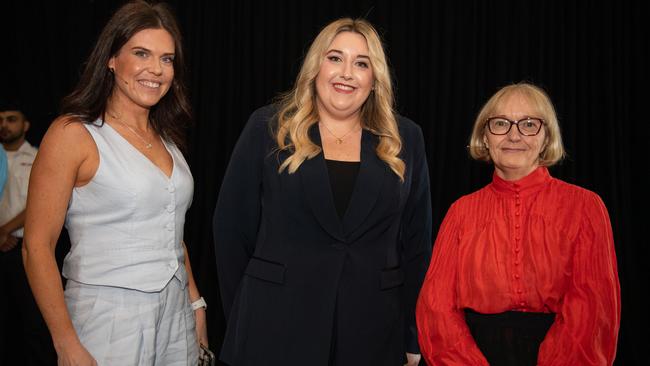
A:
<point x="147" y="144"/>
<point x="339" y="140"/>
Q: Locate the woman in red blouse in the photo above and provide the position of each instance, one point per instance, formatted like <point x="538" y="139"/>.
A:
<point x="523" y="270"/>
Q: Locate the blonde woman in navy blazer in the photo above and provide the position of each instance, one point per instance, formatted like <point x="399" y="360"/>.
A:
<point x="323" y="223"/>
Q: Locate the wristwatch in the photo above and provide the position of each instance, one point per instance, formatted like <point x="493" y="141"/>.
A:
<point x="200" y="303"/>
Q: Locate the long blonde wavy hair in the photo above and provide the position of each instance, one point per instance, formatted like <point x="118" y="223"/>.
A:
<point x="298" y="110"/>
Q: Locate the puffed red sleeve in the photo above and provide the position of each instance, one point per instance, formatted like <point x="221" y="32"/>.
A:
<point x="442" y="332"/>
<point x="585" y="330"/>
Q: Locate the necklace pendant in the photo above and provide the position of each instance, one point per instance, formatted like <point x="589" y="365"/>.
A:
<point x="148" y="146"/>
<point x="339" y="141"/>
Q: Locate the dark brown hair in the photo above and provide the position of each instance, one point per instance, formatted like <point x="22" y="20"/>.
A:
<point x="88" y="100"/>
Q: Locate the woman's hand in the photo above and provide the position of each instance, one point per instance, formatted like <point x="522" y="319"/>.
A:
<point x="75" y="355"/>
<point x="8" y="243"/>
<point x="412" y="359"/>
<point x="201" y="327"/>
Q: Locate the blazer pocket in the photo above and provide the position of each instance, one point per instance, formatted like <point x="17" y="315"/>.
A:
<point x="391" y="278"/>
<point x="265" y="270"/>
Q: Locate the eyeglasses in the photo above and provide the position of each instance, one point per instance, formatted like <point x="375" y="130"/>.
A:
<point x="528" y="126"/>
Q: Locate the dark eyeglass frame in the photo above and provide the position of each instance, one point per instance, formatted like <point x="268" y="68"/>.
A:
<point x="487" y="123"/>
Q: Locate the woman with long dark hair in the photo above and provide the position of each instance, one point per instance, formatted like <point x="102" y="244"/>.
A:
<point x="111" y="168"/>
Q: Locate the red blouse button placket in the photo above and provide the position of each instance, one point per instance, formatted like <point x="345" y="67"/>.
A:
<point x="517" y="249"/>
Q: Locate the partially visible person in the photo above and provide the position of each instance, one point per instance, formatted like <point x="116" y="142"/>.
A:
<point x="523" y="270"/>
<point x="24" y="334"/>
<point x="110" y="167"/>
<point x="20" y="154"/>
<point x="3" y="169"/>
<point x="323" y="225"/>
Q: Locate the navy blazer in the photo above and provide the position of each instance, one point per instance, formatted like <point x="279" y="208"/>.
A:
<point x="299" y="285"/>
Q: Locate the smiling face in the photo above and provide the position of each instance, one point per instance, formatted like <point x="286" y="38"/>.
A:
<point x="513" y="154"/>
<point x="345" y="77"/>
<point x="144" y="68"/>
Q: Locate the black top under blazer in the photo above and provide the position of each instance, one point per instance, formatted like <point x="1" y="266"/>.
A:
<point x="299" y="285"/>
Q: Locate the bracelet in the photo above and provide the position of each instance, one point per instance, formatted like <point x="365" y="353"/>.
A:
<point x="200" y="303"/>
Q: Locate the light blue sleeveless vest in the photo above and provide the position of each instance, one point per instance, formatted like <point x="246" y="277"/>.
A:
<point x="126" y="224"/>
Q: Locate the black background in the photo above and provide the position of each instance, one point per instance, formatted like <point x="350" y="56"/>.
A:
<point x="447" y="58"/>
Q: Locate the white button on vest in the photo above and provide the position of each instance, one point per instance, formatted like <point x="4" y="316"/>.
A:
<point x="127" y="208"/>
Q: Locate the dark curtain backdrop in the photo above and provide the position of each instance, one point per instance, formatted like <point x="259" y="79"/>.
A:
<point x="447" y="58"/>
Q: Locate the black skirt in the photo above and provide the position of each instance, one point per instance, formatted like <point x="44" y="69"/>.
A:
<point x="511" y="338"/>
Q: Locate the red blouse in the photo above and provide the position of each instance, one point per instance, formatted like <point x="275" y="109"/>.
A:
<point x="537" y="244"/>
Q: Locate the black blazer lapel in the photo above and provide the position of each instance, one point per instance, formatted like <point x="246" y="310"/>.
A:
<point x="316" y="183"/>
<point x="372" y="172"/>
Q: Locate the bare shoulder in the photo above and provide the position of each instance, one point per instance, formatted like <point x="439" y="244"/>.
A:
<point x="69" y="134"/>
<point x="68" y="147"/>
<point x="68" y="127"/>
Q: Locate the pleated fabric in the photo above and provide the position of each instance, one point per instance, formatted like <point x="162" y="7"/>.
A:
<point x="533" y="245"/>
<point x="129" y="327"/>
